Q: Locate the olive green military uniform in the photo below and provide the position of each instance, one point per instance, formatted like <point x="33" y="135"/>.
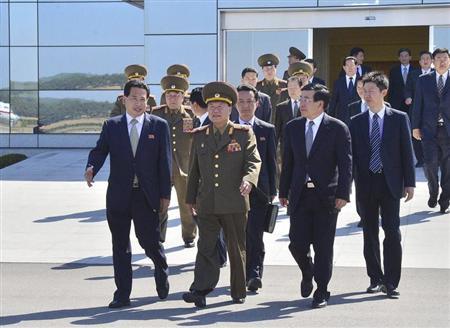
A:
<point x="218" y="165"/>
<point x="132" y="72"/>
<point x="276" y="89"/>
<point x="181" y="122"/>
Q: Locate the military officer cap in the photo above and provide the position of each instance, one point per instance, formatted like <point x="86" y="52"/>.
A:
<point x="301" y="67"/>
<point x="135" y="71"/>
<point x="220" y="91"/>
<point x="174" y="83"/>
<point x="268" y="60"/>
<point x="295" y="52"/>
<point x="179" y="69"/>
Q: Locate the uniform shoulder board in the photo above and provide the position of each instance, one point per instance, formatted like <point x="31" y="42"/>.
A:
<point x="241" y="127"/>
<point x="158" y="107"/>
<point x="187" y="108"/>
<point x="201" y="128"/>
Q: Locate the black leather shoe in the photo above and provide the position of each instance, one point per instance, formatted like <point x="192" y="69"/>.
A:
<point x="444" y="206"/>
<point x="306" y="287"/>
<point x="320" y="301"/>
<point x="162" y="282"/>
<point x="238" y="300"/>
<point x="374" y="288"/>
<point x="432" y="202"/>
<point x="115" y="304"/>
<point x="163" y="290"/>
<point x="390" y="291"/>
<point x="253" y="284"/>
<point x="196" y="298"/>
<point x="189" y="243"/>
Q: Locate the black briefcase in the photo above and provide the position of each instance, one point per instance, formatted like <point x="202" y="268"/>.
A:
<point x="271" y="217"/>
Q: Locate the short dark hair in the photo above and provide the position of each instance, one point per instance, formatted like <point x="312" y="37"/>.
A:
<point x="321" y="93"/>
<point x="295" y="79"/>
<point x="248" y="87"/>
<point x="349" y="58"/>
<point x="248" y="70"/>
<point x="196" y="97"/>
<point x="358" y="78"/>
<point x="311" y="61"/>
<point x="379" y="78"/>
<point x="440" y="51"/>
<point x="355" y="51"/>
<point x="403" y="50"/>
<point x="425" y="52"/>
<point x="135" y="84"/>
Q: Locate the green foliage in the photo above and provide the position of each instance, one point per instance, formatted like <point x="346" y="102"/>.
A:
<point x="10" y="159"/>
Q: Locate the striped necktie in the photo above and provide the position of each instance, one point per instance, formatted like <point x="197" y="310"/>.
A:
<point x="375" y="164"/>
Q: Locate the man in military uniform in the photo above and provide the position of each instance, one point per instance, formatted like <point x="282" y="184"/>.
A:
<point x="178" y="70"/>
<point x="181" y="121"/>
<point x="223" y="168"/>
<point x="271" y="84"/>
<point x="132" y="72"/>
<point x="295" y="55"/>
<point x="303" y="70"/>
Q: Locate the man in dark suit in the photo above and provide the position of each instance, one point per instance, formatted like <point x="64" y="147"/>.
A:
<point x="344" y="91"/>
<point x="138" y="186"/>
<point x="313" y="78"/>
<point x="295" y="56"/>
<point x="398" y="79"/>
<point x="410" y="88"/>
<point x="431" y="124"/>
<point x="361" y="69"/>
<point x="317" y="169"/>
<point x="289" y="109"/>
<point x="264" y="109"/>
<point x="384" y="173"/>
<point x="266" y="189"/>
<point x="200" y="110"/>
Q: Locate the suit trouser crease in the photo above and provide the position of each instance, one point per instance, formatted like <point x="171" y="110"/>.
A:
<point x="146" y="224"/>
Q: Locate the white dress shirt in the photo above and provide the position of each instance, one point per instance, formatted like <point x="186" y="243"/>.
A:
<point x="364" y="106"/>
<point x="380" y="120"/>
<point x="252" y="121"/>
<point x="444" y="77"/>
<point x="293" y="105"/>
<point x="316" y="125"/>
<point x="347" y="78"/>
<point x="139" y="124"/>
<point x="203" y="118"/>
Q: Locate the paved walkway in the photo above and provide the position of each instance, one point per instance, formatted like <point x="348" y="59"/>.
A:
<point x="49" y="215"/>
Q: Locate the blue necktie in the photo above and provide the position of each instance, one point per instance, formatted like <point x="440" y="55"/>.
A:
<point x="375" y="164"/>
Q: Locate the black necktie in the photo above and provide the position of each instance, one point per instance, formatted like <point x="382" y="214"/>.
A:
<point x="351" y="86"/>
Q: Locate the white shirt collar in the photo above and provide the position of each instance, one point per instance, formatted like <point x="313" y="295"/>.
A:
<point x="139" y="118"/>
<point x="252" y="121"/>
<point x="403" y="67"/>
<point x="316" y="121"/>
<point x="380" y="113"/>
<point x="203" y="118"/>
<point x="444" y="76"/>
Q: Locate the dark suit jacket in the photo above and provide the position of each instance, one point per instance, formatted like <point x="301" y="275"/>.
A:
<point x="263" y="111"/>
<point x="396" y="96"/>
<point x="265" y="140"/>
<point x="284" y="115"/>
<point x="410" y="88"/>
<point x="427" y="105"/>
<point x="317" y="80"/>
<point x="396" y="153"/>
<point x="329" y="164"/>
<point x="340" y="100"/>
<point x="152" y="163"/>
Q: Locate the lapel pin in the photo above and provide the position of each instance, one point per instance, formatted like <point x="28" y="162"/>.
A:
<point x="151" y="136"/>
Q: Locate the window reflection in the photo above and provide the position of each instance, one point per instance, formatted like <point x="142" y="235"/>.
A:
<point x="23" y="68"/>
<point x="4" y="68"/>
<point x="115" y="23"/>
<point x="73" y="68"/>
<point x="23" y="22"/>
<point x="441" y="37"/>
<point x="196" y="51"/>
<point x="4" y="24"/>
<point x="4" y="111"/>
<point x="74" y="111"/>
<point x="265" y="4"/>
<point x="24" y="105"/>
<point x="337" y="3"/>
<point x="244" y="47"/>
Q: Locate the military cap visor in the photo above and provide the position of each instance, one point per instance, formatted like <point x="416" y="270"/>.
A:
<point x="135" y="71"/>
<point x="174" y="83"/>
<point x="268" y="60"/>
<point x="219" y="91"/>
<point x="294" y="52"/>
<point x="179" y="69"/>
<point x="299" y="68"/>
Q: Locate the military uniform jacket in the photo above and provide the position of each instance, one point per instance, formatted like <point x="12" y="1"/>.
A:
<point x="179" y="121"/>
<point x="217" y="171"/>
<point x="119" y="106"/>
<point x="274" y="90"/>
